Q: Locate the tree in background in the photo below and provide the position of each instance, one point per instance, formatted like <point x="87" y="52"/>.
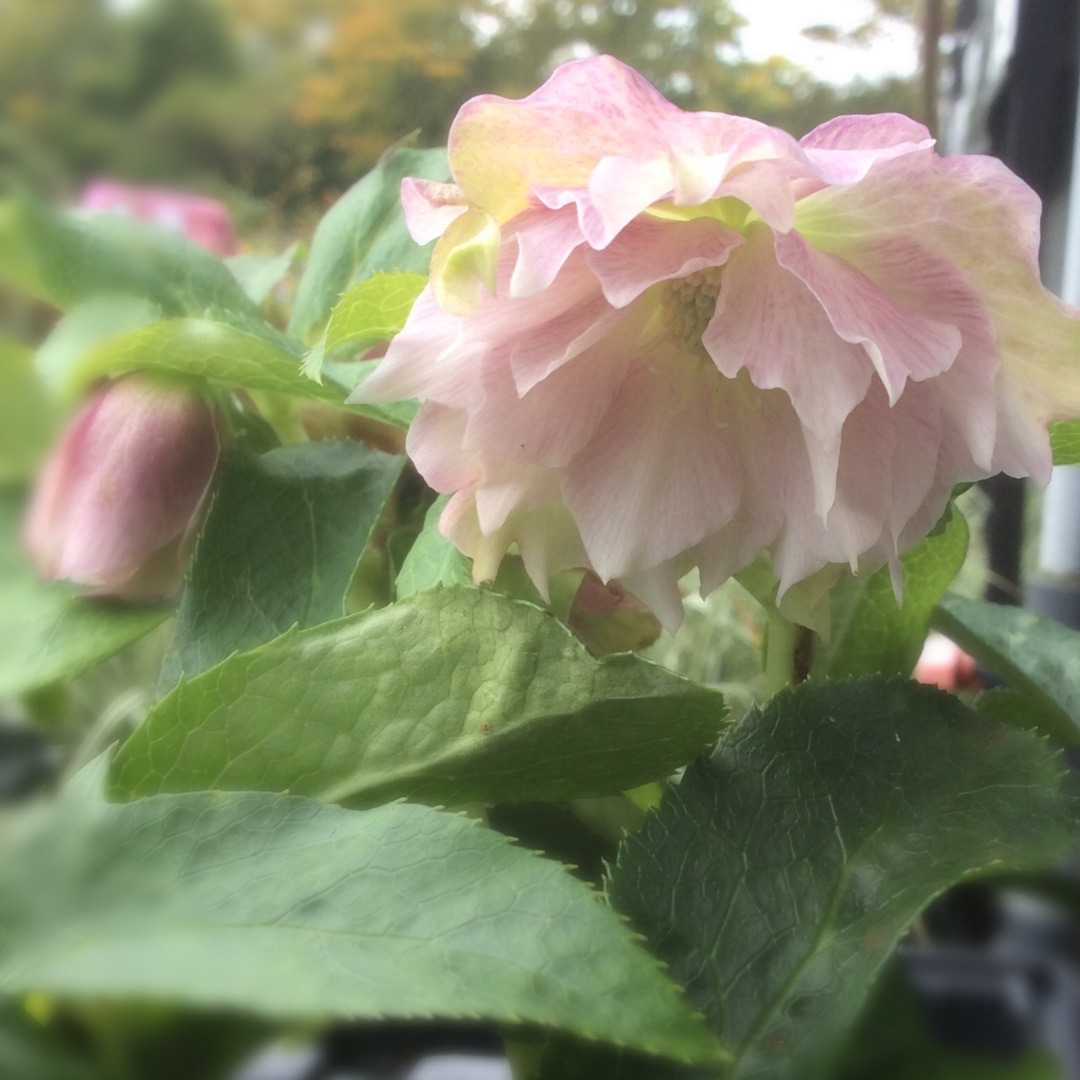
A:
<point x="290" y="100"/>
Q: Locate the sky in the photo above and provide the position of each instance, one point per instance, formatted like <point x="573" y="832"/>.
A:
<point x="775" y="25"/>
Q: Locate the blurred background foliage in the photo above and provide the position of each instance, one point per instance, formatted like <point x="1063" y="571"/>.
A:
<point x="279" y="105"/>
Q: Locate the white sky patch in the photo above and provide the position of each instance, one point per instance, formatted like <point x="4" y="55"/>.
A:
<point x="774" y="29"/>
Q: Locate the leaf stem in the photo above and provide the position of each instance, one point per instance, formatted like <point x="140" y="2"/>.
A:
<point x="782" y="637"/>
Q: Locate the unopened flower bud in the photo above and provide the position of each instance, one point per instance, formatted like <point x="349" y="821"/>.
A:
<point x="118" y="503"/>
<point x="608" y="619"/>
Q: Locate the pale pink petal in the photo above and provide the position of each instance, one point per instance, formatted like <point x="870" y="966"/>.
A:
<point x="435" y="444"/>
<point x="651" y="250"/>
<point x="588" y="110"/>
<point x="901" y="342"/>
<point x="767" y="189"/>
<point x="768" y="323"/>
<point x="697" y="176"/>
<point x="544" y="242"/>
<point x="876" y="131"/>
<point x="921" y="281"/>
<point x="619" y="189"/>
<point x="973" y="213"/>
<point x="658" y="589"/>
<point x="569" y="317"/>
<point x="460" y="524"/>
<point x="844" y="149"/>
<point x="556" y="417"/>
<point x="430" y="207"/>
<point x="508" y="486"/>
<point x="659" y="475"/>
<point x="431" y="358"/>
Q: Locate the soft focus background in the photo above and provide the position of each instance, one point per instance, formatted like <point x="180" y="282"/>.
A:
<point x="276" y="106"/>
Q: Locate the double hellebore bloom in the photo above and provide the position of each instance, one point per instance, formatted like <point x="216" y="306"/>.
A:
<point x="655" y="339"/>
<point x="117" y="505"/>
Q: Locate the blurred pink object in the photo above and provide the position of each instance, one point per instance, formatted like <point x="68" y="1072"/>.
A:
<point x="118" y="503"/>
<point x="944" y="664"/>
<point x="206" y="221"/>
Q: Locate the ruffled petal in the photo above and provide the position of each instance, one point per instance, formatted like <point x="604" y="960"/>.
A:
<point x="973" y="213"/>
<point x="843" y="150"/>
<point x="556" y="417"/>
<point x="430" y="207"/>
<point x="435" y="444"/>
<point x="431" y="359"/>
<point x="588" y="110"/>
<point x="651" y="250"/>
<point x="659" y="474"/>
<point x="545" y="241"/>
<point x="902" y="342"/>
<point x="768" y="323"/>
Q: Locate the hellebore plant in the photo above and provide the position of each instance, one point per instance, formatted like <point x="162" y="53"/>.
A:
<point x="646" y="342"/>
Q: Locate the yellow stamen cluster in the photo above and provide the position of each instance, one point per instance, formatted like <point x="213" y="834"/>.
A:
<point x="687" y="304"/>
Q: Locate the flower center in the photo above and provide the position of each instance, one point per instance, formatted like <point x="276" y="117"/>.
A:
<point x="687" y="305"/>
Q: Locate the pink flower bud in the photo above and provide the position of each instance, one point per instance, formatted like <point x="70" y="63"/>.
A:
<point x="608" y="619"/>
<point x="117" y="505"/>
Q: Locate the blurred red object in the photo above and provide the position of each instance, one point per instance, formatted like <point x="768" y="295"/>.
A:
<point x="943" y="663"/>
<point x="206" y="221"/>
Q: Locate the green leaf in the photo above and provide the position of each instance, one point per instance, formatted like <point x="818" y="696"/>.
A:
<point x="203" y="349"/>
<point x="47" y="630"/>
<point x="776" y="879"/>
<point x="258" y="274"/>
<point x="374" y="309"/>
<point x="450" y="696"/>
<point x="84" y="328"/>
<point x="432" y="560"/>
<point x="28" y="417"/>
<point x="1065" y="442"/>
<point x="280" y="544"/>
<point x="66" y="259"/>
<point x="364" y="231"/>
<point x="870" y="633"/>
<point x="1033" y="654"/>
<point x="289" y="908"/>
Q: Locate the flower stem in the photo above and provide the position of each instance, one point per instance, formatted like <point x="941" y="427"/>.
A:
<point x="782" y="637"/>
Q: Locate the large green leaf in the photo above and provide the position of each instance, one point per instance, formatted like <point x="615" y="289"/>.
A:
<point x="203" y="349"/>
<point x="280" y="544"/>
<point x="66" y="259"/>
<point x="1065" y="442"/>
<point x="84" y="328"/>
<point x="432" y="560"/>
<point x="451" y="696"/>
<point x="1033" y="654"/>
<point x="47" y="630"/>
<point x="776" y="878"/>
<point x="289" y="908"/>
<point x="870" y="632"/>
<point x="364" y="231"/>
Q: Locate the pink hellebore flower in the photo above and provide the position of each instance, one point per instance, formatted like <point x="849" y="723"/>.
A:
<point x="656" y="339"/>
<point x="117" y="505"/>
